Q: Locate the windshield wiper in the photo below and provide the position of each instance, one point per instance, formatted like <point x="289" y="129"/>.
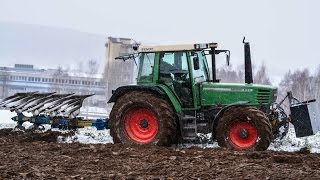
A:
<point x="128" y="57"/>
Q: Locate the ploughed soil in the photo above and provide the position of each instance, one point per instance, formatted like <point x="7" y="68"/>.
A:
<point x="28" y="155"/>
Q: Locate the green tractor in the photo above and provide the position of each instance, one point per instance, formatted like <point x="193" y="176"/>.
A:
<point x="176" y="97"/>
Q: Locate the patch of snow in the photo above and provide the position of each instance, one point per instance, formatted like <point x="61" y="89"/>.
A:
<point x="5" y="119"/>
<point x="5" y="116"/>
<point x="205" y="145"/>
<point x="89" y="135"/>
<point x="292" y="143"/>
<point x="7" y="125"/>
<point x="93" y="112"/>
<point x="7" y="122"/>
<point x="93" y="109"/>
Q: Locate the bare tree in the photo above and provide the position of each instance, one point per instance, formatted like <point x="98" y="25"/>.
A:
<point x="91" y="70"/>
<point x="261" y="76"/>
<point x="316" y="83"/>
<point x="227" y="74"/>
<point x="59" y="77"/>
<point x="302" y="85"/>
<point x="80" y="69"/>
<point x="93" y="67"/>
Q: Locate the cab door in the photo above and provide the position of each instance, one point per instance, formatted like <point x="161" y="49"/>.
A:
<point x="199" y="74"/>
<point x="174" y="72"/>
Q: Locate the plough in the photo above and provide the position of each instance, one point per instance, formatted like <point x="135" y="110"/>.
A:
<point x="57" y="110"/>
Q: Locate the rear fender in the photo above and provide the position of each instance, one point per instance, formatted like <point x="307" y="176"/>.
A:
<point x="160" y="90"/>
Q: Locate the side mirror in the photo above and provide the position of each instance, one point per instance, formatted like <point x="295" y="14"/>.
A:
<point x="196" y="65"/>
<point x="227" y="52"/>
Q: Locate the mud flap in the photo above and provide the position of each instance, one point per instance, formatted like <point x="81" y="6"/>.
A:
<point x="305" y="117"/>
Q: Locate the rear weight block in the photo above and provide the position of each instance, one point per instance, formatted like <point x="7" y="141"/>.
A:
<point x="306" y="118"/>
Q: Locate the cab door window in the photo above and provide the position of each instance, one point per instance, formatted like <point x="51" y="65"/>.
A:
<point x="174" y="72"/>
<point x="200" y="74"/>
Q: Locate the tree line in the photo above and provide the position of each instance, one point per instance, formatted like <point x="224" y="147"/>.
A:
<point x="229" y="74"/>
<point x="303" y="84"/>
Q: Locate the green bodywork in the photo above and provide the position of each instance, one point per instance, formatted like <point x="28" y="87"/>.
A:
<point x="203" y="93"/>
<point x="225" y="94"/>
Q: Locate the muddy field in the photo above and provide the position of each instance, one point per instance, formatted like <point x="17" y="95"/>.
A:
<point x="39" y="156"/>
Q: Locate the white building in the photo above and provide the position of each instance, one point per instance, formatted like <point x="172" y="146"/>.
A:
<point x="118" y="72"/>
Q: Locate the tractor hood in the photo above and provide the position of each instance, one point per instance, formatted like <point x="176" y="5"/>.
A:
<point x="229" y="93"/>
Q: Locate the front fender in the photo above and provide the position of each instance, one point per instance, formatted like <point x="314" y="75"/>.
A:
<point x="225" y="109"/>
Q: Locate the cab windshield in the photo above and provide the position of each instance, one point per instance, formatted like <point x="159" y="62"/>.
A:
<point x="146" y="63"/>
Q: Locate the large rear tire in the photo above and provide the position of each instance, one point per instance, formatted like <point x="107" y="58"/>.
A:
<point x="142" y="118"/>
<point x="244" y="128"/>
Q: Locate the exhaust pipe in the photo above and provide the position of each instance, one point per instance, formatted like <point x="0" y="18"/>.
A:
<point x="247" y="63"/>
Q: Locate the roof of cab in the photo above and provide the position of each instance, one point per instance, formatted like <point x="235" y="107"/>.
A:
<point x="177" y="47"/>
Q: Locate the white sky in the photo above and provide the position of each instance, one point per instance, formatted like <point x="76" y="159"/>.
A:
<point x="284" y="34"/>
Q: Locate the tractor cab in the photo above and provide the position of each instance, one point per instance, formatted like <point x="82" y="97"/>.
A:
<point x="178" y="67"/>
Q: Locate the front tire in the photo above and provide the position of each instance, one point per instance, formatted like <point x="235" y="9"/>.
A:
<point x="142" y="118"/>
<point x="244" y="128"/>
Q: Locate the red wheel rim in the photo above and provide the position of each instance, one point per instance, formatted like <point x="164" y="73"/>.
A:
<point x="242" y="134"/>
<point x="141" y="125"/>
